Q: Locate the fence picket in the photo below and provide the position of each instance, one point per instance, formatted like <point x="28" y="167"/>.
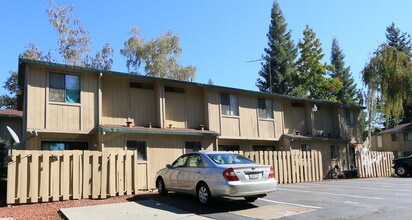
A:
<point x="95" y="175"/>
<point x="34" y="177"/>
<point x="11" y="179"/>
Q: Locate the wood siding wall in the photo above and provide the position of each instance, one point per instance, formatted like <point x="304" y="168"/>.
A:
<point x="56" y="116"/>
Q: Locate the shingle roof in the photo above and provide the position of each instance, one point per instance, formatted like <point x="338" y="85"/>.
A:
<point x="12" y="113"/>
<point x="397" y="129"/>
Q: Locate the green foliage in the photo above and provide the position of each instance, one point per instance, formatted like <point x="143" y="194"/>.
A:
<point x="9" y="101"/>
<point x="279" y="60"/>
<point x="74" y="40"/>
<point x="311" y="80"/>
<point x="390" y="72"/>
<point x="348" y="94"/>
<point x="401" y="41"/>
<point x="160" y="56"/>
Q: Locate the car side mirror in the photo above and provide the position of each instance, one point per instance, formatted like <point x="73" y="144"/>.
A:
<point x="168" y="166"/>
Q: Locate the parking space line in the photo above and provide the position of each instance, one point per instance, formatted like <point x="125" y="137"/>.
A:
<point x="332" y="194"/>
<point x="294" y="204"/>
<point x="358" y="187"/>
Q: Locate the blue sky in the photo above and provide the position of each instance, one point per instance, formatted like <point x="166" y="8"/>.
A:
<point x="217" y="36"/>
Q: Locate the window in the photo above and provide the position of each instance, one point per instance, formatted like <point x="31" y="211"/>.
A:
<point x="180" y="162"/>
<point x="229" y="158"/>
<point x="192" y="146"/>
<point x="229" y="147"/>
<point x="350" y="117"/>
<point x="174" y="89"/>
<point x="195" y="161"/>
<point x="64" y="88"/>
<point x="298" y="104"/>
<point x="230" y="104"/>
<point x="407" y="136"/>
<point x="305" y="147"/>
<point x="379" y="141"/>
<point x="64" y="145"/>
<point x="407" y="153"/>
<point x="263" y="148"/>
<point x="140" y="146"/>
<point x="395" y="137"/>
<point x="334" y="152"/>
<point x="265" y="108"/>
<point x="139" y="85"/>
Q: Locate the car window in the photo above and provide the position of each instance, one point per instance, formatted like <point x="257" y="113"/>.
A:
<point x="195" y="161"/>
<point x="180" y="162"/>
<point x="229" y="159"/>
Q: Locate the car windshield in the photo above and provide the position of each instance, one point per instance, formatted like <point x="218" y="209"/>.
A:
<point x="229" y="159"/>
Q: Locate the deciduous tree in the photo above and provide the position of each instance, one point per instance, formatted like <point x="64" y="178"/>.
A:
<point x="160" y="56"/>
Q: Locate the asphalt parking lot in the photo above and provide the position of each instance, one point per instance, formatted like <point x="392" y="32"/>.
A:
<point x="374" y="198"/>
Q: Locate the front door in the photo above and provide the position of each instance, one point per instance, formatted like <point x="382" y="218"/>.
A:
<point x="352" y="160"/>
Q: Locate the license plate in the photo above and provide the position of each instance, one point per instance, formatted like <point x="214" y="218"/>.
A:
<point x="254" y="176"/>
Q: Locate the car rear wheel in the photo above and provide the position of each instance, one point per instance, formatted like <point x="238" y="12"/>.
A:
<point x="401" y="170"/>
<point x="161" y="188"/>
<point x="250" y="198"/>
<point x="203" y="194"/>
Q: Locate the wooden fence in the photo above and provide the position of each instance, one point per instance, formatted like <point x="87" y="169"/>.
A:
<point x="44" y="176"/>
<point x="290" y="166"/>
<point x="374" y="163"/>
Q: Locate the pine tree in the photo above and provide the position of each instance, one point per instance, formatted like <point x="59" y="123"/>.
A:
<point x="401" y="41"/>
<point x="279" y="60"/>
<point x="311" y="80"/>
<point x="348" y="94"/>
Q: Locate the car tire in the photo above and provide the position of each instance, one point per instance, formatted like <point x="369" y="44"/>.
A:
<point x="250" y="198"/>
<point x="203" y="194"/>
<point x="161" y="188"/>
<point x="401" y="170"/>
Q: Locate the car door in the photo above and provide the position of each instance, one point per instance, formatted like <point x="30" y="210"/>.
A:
<point x="191" y="173"/>
<point x="172" y="177"/>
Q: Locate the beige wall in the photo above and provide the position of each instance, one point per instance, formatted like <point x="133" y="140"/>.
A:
<point x="161" y="149"/>
<point x="296" y="118"/>
<point x="398" y="146"/>
<point x="55" y="116"/>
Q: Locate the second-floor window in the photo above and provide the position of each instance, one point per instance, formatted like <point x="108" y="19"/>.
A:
<point x="395" y="137"/>
<point x="265" y="108"/>
<point x="64" y="88"/>
<point x="230" y="104"/>
<point x="350" y="117"/>
<point x="407" y="136"/>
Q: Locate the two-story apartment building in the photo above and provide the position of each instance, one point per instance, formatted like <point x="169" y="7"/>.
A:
<point x="69" y="107"/>
<point x="397" y="139"/>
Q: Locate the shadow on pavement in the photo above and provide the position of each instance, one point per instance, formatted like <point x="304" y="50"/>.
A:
<point x="190" y="204"/>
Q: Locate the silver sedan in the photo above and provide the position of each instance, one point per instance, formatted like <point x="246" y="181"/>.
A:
<point x="216" y="174"/>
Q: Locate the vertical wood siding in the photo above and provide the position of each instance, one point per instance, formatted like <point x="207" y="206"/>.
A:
<point x="175" y="107"/>
<point x="143" y="106"/>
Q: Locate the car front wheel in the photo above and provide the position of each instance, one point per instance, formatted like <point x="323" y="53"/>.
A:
<point x="203" y="194"/>
<point x="161" y="188"/>
<point x="401" y="170"/>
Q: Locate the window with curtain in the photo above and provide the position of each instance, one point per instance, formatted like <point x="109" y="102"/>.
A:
<point x="265" y="107"/>
<point x="230" y="104"/>
<point x="64" y="88"/>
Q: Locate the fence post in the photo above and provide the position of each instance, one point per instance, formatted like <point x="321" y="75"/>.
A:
<point x="11" y="179"/>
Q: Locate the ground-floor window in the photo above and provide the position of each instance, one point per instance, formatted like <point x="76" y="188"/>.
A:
<point x="229" y="148"/>
<point x="305" y="147"/>
<point x="407" y="153"/>
<point x="141" y="148"/>
<point x="193" y="146"/>
<point x="263" y="148"/>
<point x="334" y="152"/>
<point x="64" y="145"/>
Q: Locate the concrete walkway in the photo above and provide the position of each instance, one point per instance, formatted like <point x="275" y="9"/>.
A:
<point x="143" y="209"/>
